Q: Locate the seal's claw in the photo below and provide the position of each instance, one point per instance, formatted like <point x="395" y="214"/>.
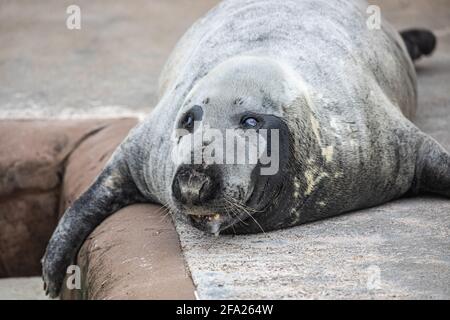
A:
<point x="52" y="276"/>
<point x="52" y="286"/>
<point x="53" y="290"/>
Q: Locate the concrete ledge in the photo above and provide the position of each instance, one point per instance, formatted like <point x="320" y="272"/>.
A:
<point x="400" y="250"/>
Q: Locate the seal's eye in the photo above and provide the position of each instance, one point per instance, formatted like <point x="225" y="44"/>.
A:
<point x="188" y="121"/>
<point x="249" y="122"/>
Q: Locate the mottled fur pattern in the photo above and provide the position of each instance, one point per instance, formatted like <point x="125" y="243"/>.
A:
<point x="341" y="94"/>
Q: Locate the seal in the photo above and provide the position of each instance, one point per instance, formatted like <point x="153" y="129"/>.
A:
<point x="336" y="97"/>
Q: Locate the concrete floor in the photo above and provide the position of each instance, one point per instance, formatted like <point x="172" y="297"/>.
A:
<point x="22" y="289"/>
<point x="110" y="68"/>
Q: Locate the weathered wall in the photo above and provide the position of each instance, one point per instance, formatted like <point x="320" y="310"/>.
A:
<point x="33" y="156"/>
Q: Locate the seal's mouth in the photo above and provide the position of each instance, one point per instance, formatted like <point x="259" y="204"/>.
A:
<point x="208" y="222"/>
<point x="214" y="222"/>
<point x="225" y="216"/>
<point x="235" y="216"/>
<point x="231" y="215"/>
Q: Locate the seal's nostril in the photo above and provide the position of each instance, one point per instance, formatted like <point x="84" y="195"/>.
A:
<point x="203" y="189"/>
<point x="206" y="191"/>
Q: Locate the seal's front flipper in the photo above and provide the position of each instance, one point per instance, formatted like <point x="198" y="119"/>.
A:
<point x="432" y="168"/>
<point x="113" y="189"/>
<point x="419" y="42"/>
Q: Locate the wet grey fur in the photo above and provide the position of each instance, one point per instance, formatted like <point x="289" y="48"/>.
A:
<point x="345" y="93"/>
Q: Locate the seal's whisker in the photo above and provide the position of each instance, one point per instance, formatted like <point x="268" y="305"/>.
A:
<point x="166" y="212"/>
<point x="229" y="216"/>
<point x="237" y="215"/>
<point x="245" y="210"/>
<point x="256" y="222"/>
<point x="241" y="205"/>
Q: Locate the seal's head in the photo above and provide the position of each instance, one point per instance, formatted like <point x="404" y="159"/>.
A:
<point x="231" y="145"/>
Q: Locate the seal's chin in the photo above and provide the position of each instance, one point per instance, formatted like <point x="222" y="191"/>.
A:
<point x="210" y="223"/>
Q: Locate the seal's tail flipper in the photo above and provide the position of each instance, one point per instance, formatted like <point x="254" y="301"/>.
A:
<point x="113" y="189"/>
<point x="432" y="168"/>
<point x="419" y="42"/>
